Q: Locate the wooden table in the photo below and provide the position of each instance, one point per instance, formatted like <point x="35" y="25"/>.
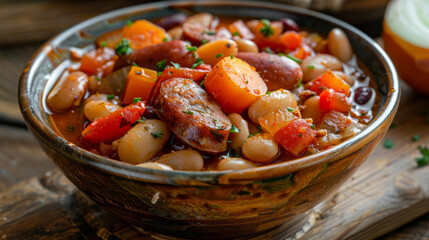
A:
<point x="37" y="202"/>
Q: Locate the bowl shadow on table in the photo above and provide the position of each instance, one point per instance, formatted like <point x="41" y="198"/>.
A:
<point x="207" y="205"/>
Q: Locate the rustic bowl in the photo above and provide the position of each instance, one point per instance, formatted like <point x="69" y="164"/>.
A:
<point x="207" y="204"/>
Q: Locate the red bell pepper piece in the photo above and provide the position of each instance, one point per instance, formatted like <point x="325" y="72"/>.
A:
<point x="331" y="100"/>
<point x="114" y="125"/>
<point x="172" y="72"/>
<point x="328" y="80"/>
<point x="296" y="136"/>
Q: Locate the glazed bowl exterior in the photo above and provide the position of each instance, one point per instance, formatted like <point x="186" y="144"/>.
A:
<point x="207" y="204"/>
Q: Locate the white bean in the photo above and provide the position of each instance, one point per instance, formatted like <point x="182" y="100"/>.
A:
<point x="143" y="141"/>
<point x="339" y="45"/>
<point x="260" y="148"/>
<point x="312" y="109"/>
<point x="175" y="33"/>
<point x="316" y="65"/>
<point x="279" y="99"/>
<point x="94" y="110"/>
<point x="235" y="164"/>
<point x="155" y="165"/>
<point x="68" y="92"/>
<point x="188" y="160"/>
<point x="246" y="45"/>
<point x="347" y="78"/>
<point x="237" y="139"/>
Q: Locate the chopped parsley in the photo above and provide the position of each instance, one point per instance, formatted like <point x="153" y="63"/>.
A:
<point x="201" y="84"/>
<point x="97" y="78"/>
<point x="165" y="39"/>
<point x="137" y="99"/>
<point x="197" y="63"/>
<point x="103" y="44"/>
<point x="294" y="58"/>
<point x="232" y="56"/>
<point x="188" y="112"/>
<point x="176" y="65"/>
<point x="157" y="135"/>
<point x="142" y="119"/>
<point x="253" y="134"/>
<point x="234" y="129"/>
<point x="247" y="81"/>
<point x="203" y="42"/>
<point x="259" y="127"/>
<point x="219" y="55"/>
<point x="268" y="92"/>
<point x="123" y="47"/>
<point x="135" y="64"/>
<point x="388" y="144"/>
<point x="129" y="22"/>
<point x="313" y="126"/>
<point x="281" y="54"/>
<point x="218" y="136"/>
<point x="416" y="137"/>
<point x="423" y="161"/>
<point x="299" y="134"/>
<point x="299" y="84"/>
<point x="266" y="30"/>
<point x="310" y="66"/>
<point x="191" y="48"/>
<point x="235" y="34"/>
<point x="160" y="66"/>
<point x="208" y="32"/>
<point x="290" y="109"/>
<point x="110" y="96"/>
<point x="268" y="50"/>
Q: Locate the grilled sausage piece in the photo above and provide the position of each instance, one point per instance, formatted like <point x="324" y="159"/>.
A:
<point x="277" y="71"/>
<point x="191" y="114"/>
<point x="173" y="51"/>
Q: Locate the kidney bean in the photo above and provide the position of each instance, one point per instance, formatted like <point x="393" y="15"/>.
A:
<point x="289" y="25"/>
<point x="363" y="95"/>
<point x="171" y="21"/>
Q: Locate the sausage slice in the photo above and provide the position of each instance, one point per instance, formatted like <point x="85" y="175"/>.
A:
<point x="277" y="71"/>
<point x="191" y="114"/>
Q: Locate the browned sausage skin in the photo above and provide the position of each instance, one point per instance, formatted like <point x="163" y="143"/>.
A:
<point x="174" y="51"/>
<point x="277" y="71"/>
<point x="192" y="115"/>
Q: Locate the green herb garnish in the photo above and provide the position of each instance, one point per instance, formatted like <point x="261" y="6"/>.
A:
<point x="268" y="50"/>
<point x="232" y="56"/>
<point x="110" y="96"/>
<point x="157" y="135"/>
<point x="299" y="84"/>
<point x="97" y="78"/>
<point x="235" y="34"/>
<point x="310" y="66"/>
<point x="188" y="112"/>
<point x="313" y="126"/>
<point x="268" y="92"/>
<point x="123" y="47"/>
<point x="281" y="54"/>
<point x="290" y="109"/>
<point x="234" y="129"/>
<point x="135" y="64"/>
<point x="208" y="32"/>
<point x="197" y="63"/>
<point x="160" y="66"/>
<point x="416" y="137"/>
<point x="203" y="42"/>
<point x="294" y="58"/>
<point x="176" y="65"/>
<point x="129" y="22"/>
<point x="425" y="159"/>
<point x="219" y="55"/>
<point x="103" y="44"/>
<point x="388" y="144"/>
<point x="165" y="39"/>
<point x="191" y="48"/>
<point x="266" y="30"/>
<point x="137" y="99"/>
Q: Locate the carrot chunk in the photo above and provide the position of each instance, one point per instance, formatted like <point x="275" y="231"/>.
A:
<point x="274" y="121"/>
<point x="234" y="84"/>
<point x="291" y="40"/>
<point x="142" y="33"/>
<point x="329" y="80"/>
<point x="139" y="84"/>
<point x="114" y="125"/>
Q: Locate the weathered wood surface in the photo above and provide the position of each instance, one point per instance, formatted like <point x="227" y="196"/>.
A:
<point x="385" y="193"/>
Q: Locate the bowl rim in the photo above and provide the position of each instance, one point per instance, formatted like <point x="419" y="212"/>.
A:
<point x="53" y="140"/>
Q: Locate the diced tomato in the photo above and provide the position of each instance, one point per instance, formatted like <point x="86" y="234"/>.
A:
<point x="172" y="72"/>
<point x="291" y="40"/>
<point x="331" y="100"/>
<point x="329" y="80"/>
<point x="114" y="125"/>
<point x="139" y="84"/>
<point x="98" y="62"/>
<point x="296" y="136"/>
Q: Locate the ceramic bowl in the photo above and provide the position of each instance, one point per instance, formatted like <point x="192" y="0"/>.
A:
<point x="215" y="205"/>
